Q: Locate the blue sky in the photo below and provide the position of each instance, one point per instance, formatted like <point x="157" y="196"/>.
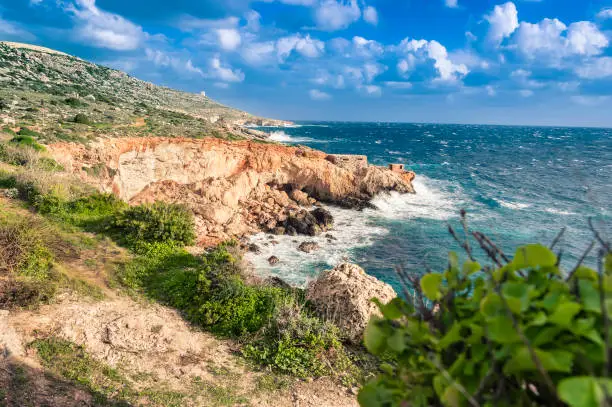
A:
<point x="545" y="62"/>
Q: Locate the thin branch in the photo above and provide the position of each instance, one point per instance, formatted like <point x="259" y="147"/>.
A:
<point x="490" y="252"/>
<point x="455" y="383"/>
<point x="530" y="348"/>
<point x="581" y="260"/>
<point x="557" y="238"/>
<point x="602" y="242"/>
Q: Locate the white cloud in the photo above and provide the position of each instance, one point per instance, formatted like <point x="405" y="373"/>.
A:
<point x="103" y="29"/>
<point x="325" y="78"/>
<point x="253" y="19"/>
<point x="259" y="53"/>
<point x="598" y="69"/>
<point x="304" y="45"/>
<point x="229" y="38"/>
<point x="503" y="20"/>
<point x="370" y="15"/>
<point x="224" y="73"/>
<point x="10" y="29"/>
<point x="451" y="3"/>
<point x="333" y="15"/>
<point x="160" y="58"/>
<point x="605" y="13"/>
<point x="526" y="93"/>
<point x="420" y="51"/>
<point x="490" y="90"/>
<point x="398" y="85"/>
<point x="367" y="48"/>
<point x="371" y="90"/>
<point x="553" y="39"/>
<point x="584" y="38"/>
<point x="316" y="94"/>
<point x="190" y="23"/>
<point x="221" y="85"/>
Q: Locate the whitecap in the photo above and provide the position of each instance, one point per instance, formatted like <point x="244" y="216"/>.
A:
<point x="559" y="212"/>
<point x="283" y="137"/>
<point x="513" y="205"/>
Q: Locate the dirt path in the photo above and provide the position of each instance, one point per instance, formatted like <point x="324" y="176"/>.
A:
<point x="148" y="340"/>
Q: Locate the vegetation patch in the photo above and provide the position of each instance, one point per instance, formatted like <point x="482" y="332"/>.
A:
<point x="516" y="332"/>
<point x="26" y="140"/>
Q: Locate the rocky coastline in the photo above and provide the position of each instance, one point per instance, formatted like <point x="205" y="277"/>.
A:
<point x="234" y="188"/>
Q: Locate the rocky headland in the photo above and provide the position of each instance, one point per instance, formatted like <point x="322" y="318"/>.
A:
<point x="234" y="188"/>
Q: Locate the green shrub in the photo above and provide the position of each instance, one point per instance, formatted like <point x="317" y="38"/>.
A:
<point x="159" y="222"/>
<point x="298" y="344"/>
<point x="82" y="119"/>
<point x="74" y="102"/>
<point x="23" y="249"/>
<point x="27" y="141"/>
<point x="519" y="333"/>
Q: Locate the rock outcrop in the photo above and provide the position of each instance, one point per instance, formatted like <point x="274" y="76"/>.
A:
<point x="344" y="295"/>
<point x="234" y="188"/>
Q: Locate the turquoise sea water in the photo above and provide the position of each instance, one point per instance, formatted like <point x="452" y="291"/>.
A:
<point x="518" y="184"/>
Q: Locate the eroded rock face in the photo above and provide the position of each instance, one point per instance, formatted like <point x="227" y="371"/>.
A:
<point x="308" y="247"/>
<point x="344" y="295"/>
<point x="234" y="188"/>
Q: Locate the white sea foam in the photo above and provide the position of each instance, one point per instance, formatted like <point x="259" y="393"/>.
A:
<point x="559" y="212"/>
<point x="351" y="230"/>
<point x="283" y="137"/>
<point x="513" y="205"/>
<point x="431" y="201"/>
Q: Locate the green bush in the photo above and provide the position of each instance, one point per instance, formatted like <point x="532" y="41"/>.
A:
<point x="27" y="141"/>
<point x="298" y="344"/>
<point x="519" y="333"/>
<point x="159" y="222"/>
<point x="74" y="102"/>
<point x="82" y="119"/>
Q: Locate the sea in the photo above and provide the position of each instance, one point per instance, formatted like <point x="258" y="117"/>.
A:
<point x="518" y="185"/>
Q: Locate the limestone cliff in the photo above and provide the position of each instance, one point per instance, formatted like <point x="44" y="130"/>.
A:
<point x="234" y="188"/>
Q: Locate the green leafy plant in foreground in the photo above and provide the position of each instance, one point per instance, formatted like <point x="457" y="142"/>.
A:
<point x="517" y="333"/>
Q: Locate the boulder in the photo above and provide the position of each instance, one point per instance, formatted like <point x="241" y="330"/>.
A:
<point x="300" y="197"/>
<point x="308" y="247"/>
<point x="253" y="248"/>
<point x="324" y="218"/>
<point x="343" y="295"/>
<point x="273" y="260"/>
<point x="277" y="282"/>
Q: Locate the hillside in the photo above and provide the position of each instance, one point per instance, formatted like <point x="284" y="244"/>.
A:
<point x="46" y="89"/>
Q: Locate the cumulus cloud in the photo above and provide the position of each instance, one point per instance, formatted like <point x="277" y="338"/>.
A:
<point x="598" y="69"/>
<point x="163" y="59"/>
<point x="371" y="90"/>
<point x="103" y="29"/>
<point x="229" y="38"/>
<point x="421" y="51"/>
<point x="451" y="3"/>
<point x="370" y="15"/>
<point x="553" y="39"/>
<point x="259" y="53"/>
<point x="304" y="45"/>
<point x="605" y="14"/>
<point x="316" y="94"/>
<point x="366" y="48"/>
<point x="333" y="15"/>
<point x="224" y="73"/>
<point x="503" y="20"/>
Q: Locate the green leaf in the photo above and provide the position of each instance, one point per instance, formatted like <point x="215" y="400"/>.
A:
<point x="517" y="296"/>
<point x="471" y="267"/>
<point x="491" y="306"/>
<point x="553" y="361"/>
<point x="374" y="337"/>
<point x="501" y="330"/>
<point x="452" y="336"/>
<point x="564" y="314"/>
<point x="451" y="397"/>
<point x="584" y="391"/>
<point x="590" y="296"/>
<point x="396" y="341"/>
<point x="394" y="309"/>
<point x="430" y="284"/>
<point x="533" y="256"/>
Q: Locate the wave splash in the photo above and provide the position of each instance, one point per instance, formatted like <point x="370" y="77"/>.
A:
<point x="283" y="137"/>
